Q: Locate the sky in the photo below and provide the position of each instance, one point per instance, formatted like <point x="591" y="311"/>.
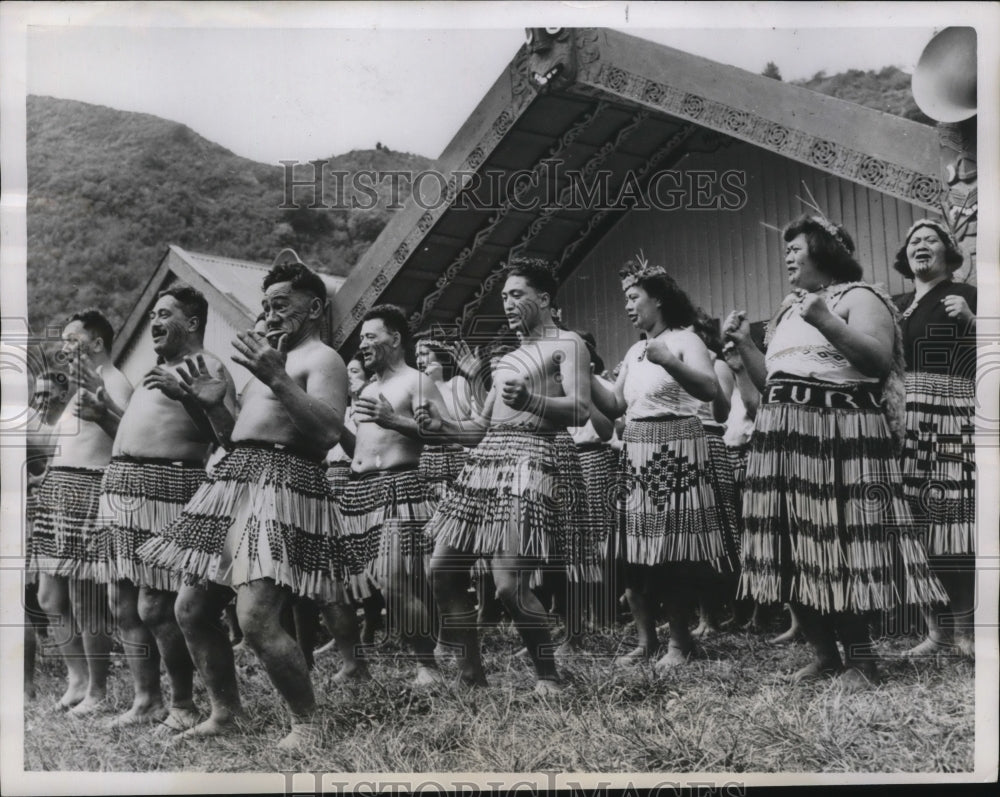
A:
<point x="282" y="87"/>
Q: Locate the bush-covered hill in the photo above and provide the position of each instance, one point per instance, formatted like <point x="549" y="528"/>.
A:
<point x="108" y="190"/>
<point x="887" y="90"/>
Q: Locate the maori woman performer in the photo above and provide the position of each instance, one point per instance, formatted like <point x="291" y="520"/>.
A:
<point x="671" y="526"/>
<point x="338" y="461"/>
<point x="713" y="414"/>
<point x="440" y="463"/>
<point x="823" y="506"/>
<point x="939" y="471"/>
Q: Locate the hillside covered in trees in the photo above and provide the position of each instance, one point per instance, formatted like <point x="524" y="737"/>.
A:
<point x="108" y="190"/>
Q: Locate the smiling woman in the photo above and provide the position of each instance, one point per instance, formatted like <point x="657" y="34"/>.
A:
<point x="827" y="528"/>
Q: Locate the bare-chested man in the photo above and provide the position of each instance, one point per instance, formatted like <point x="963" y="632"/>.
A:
<point x="386" y="502"/>
<point x="48" y="400"/>
<point x="520" y="499"/>
<point x="158" y="463"/>
<point x="63" y="543"/>
<point x="263" y="525"/>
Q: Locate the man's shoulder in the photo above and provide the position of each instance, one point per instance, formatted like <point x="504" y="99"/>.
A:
<point x="317" y="354"/>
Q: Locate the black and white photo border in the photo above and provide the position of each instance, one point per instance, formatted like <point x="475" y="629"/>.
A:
<point x="16" y="17"/>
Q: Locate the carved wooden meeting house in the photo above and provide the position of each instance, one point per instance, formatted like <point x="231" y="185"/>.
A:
<point x="593" y="145"/>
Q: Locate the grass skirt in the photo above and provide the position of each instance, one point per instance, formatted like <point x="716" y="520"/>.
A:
<point x="382" y="519"/>
<point x="521" y="492"/>
<point x="825" y="519"/>
<point x="337" y="474"/>
<point x="939" y="467"/>
<point x="668" y="511"/>
<point x="264" y="513"/>
<point x="138" y="501"/>
<point x="440" y="466"/>
<point x="65" y="530"/>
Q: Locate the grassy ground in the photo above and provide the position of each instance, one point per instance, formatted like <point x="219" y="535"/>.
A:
<point x="728" y="711"/>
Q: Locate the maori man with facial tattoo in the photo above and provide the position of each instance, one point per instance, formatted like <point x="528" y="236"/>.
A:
<point x="520" y="500"/>
<point x="263" y="525"/>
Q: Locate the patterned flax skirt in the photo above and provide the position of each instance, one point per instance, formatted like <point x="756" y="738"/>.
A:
<point x="724" y="486"/>
<point x="440" y="466"/>
<point x="264" y="513"/>
<point x="382" y="518"/>
<point x="521" y="492"/>
<point x="65" y="531"/>
<point x="139" y="498"/>
<point x="939" y="468"/>
<point x="826" y="522"/>
<point x="337" y="474"/>
<point x="669" y="511"/>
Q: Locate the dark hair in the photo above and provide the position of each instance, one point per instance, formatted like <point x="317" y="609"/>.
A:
<point x="360" y="360"/>
<point x="394" y="319"/>
<point x="595" y="358"/>
<point x="442" y="353"/>
<point x="192" y="302"/>
<point x="537" y="272"/>
<point x="676" y="309"/>
<point x="300" y="276"/>
<point x="707" y="328"/>
<point x="953" y="257"/>
<point x="831" y="254"/>
<point x="97" y="325"/>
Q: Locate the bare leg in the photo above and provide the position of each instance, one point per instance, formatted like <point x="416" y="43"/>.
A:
<point x="643" y="606"/>
<point x="54" y="598"/>
<point x="819" y="632"/>
<point x="963" y="605"/>
<point x="342" y="621"/>
<point x="859" y="655"/>
<point x="90" y="608"/>
<point x="373" y="607"/>
<point x="141" y="653"/>
<point x="198" y="611"/>
<point x="407" y="597"/>
<point x="511" y="574"/>
<point x="306" y="616"/>
<point x="794" y="631"/>
<point x="449" y="575"/>
<point x="680" y="587"/>
<point x="235" y="632"/>
<point x="259" y="605"/>
<point x="30" y="648"/>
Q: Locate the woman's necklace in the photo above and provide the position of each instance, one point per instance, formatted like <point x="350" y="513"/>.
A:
<point x="646" y="346"/>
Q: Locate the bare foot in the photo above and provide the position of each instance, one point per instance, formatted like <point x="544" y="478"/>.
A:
<point x="859" y="679"/>
<point x="674" y="657"/>
<point x="813" y="672"/>
<point x="213" y="726"/>
<point x="89" y="706"/>
<point x="352" y="674"/>
<point x="929" y="647"/>
<point x="705" y="630"/>
<point x="793" y="634"/>
<point x="570" y="648"/>
<point x="638" y="655"/>
<point x="304" y="735"/>
<point x="73" y="696"/>
<point x="426" y="676"/>
<point x="329" y="647"/>
<point x="139" y="715"/>
<point x="522" y="653"/>
<point x="546" y="687"/>
<point x="966" y="644"/>
<point x="177" y="721"/>
<point x="471" y="678"/>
